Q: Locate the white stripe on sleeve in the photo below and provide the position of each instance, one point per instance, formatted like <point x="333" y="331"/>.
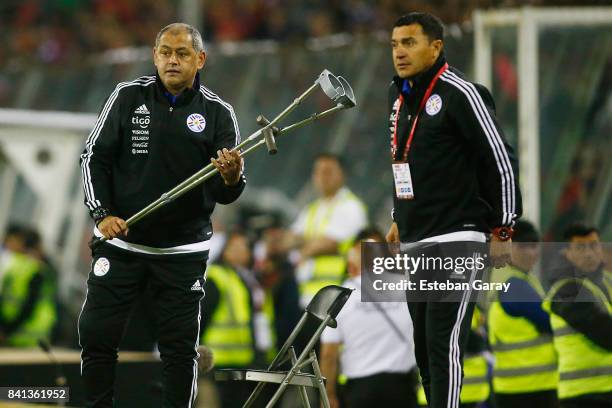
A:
<point x="88" y="189"/>
<point x="495" y="141"/>
<point x="211" y="96"/>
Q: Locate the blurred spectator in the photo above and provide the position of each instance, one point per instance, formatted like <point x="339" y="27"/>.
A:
<point x="14" y="239"/>
<point x="519" y="330"/>
<point x="277" y="276"/>
<point x="237" y="317"/>
<point x="580" y="307"/>
<point x="372" y="346"/>
<point x="325" y="228"/>
<point x="28" y="310"/>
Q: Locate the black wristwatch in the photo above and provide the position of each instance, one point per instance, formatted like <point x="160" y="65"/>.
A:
<point x="99" y="214"/>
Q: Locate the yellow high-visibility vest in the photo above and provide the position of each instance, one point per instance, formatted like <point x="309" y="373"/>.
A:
<point x="229" y="334"/>
<point x="476" y="386"/>
<point x="525" y="359"/>
<point x="584" y="367"/>
<point x="325" y="269"/>
<point x="18" y="271"/>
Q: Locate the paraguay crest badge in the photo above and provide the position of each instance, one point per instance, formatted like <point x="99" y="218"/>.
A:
<point x="433" y="105"/>
<point x="196" y="122"/>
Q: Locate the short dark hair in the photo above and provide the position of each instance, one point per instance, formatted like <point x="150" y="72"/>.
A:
<point x="331" y="156"/>
<point x="31" y="238"/>
<point x="15" y="229"/>
<point x="524" y="231"/>
<point x="578" y="229"/>
<point x="432" y="25"/>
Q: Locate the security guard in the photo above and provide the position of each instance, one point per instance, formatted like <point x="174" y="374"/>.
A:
<point x="27" y="301"/>
<point x="371" y="347"/>
<point x="520" y="336"/>
<point x="580" y="305"/>
<point x="238" y="319"/>
<point x="324" y="229"/>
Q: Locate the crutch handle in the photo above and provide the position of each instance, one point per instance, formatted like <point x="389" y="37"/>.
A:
<point x="268" y="134"/>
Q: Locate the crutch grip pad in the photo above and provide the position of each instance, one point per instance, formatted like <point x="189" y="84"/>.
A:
<point x="268" y="135"/>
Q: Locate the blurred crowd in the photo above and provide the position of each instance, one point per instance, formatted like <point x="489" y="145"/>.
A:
<point x="65" y="31"/>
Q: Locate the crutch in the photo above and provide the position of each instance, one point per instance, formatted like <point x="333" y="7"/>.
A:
<point x="335" y="87"/>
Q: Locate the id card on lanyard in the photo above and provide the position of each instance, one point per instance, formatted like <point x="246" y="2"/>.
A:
<point x="404" y="190"/>
<point x="403" y="181"/>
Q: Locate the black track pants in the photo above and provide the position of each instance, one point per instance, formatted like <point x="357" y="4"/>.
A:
<point x="441" y="322"/>
<point x="115" y="281"/>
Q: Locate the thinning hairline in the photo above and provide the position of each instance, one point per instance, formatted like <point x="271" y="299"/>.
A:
<point x="178" y="28"/>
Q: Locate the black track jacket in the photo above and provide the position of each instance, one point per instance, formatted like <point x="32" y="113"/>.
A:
<point x="464" y="173"/>
<point x="142" y="146"/>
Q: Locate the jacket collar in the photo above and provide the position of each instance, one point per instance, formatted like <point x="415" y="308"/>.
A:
<point x="421" y="80"/>
<point x="181" y="99"/>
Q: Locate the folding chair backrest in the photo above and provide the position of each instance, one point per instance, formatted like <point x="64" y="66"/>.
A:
<point x="328" y="301"/>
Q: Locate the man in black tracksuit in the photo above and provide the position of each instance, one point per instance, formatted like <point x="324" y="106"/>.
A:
<point x="455" y="179"/>
<point x="153" y="133"/>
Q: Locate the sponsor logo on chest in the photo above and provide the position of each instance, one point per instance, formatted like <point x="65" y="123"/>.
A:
<point x="141" y="117"/>
<point x="140" y="136"/>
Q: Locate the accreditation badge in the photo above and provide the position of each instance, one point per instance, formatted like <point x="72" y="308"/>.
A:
<point x="403" y="181"/>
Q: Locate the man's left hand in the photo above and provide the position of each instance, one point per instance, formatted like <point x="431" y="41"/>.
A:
<point x="500" y="252"/>
<point x="229" y="164"/>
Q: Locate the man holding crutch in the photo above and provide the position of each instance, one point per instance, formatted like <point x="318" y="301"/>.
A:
<point x="153" y="133"/>
<point x="455" y="180"/>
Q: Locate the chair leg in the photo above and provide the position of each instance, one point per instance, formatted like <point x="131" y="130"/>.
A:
<point x="279" y="357"/>
<point x="304" y="396"/>
<point x="321" y="385"/>
<point x="296" y="365"/>
<point x="307" y="350"/>
<point x="279" y="392"/>
<point x="254" y="395"/>
<point x="301" y="389"/>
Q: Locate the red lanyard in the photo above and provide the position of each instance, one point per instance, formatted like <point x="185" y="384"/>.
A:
<point x="416" y="119"/>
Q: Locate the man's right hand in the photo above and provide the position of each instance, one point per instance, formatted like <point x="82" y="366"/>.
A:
<point x="392" y="236"/>
<point x="112" y="227"/>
